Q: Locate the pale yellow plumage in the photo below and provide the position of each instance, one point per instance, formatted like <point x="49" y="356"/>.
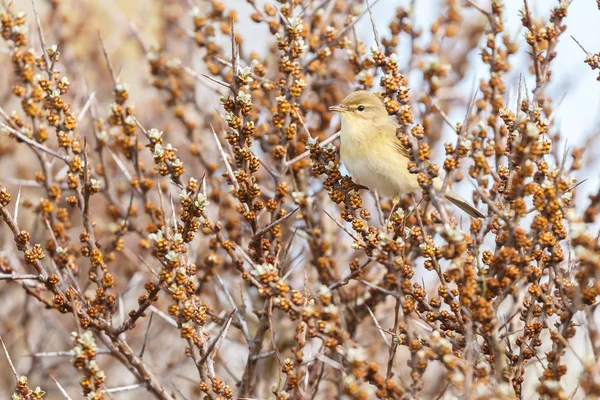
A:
<point x="373" y="154"/>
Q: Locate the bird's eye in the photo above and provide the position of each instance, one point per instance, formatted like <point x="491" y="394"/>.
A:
<point x="361" y="108"/>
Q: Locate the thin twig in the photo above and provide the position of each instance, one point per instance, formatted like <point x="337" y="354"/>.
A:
<point x="64" y="353"/>
<point x="42" y="40"/>
<point x="194" y="75"/>
<point x="379" y="328"/>
<point x="17" y="204"/>
<point x="125" y="388"/>
<point x="61" y="389"/>
<point x="214" y="347"/>
<point x="164" y="316"/>
<point x="275" y="223"/>
<point x="342" y="227"/>
<point x="477" y="7"/>
<point x="375" y="33"/>
<point x="352" y="275"/>
<point x="307" y="152"/>
<point x="340" y="34"/>
<point x="234" y="181"/>
<point x="146" y="335"/>
<point x="240" y="317"/>
<point x="19" y="277"/>
<point x="108" y="63"/>
<point x="382" y="290"/>
<point x="34" y="143"/>
<point x="86" y="106"/>
<point x="580" y="45"/>
<point x="12" y="366"/>
<point x="262" y="356"/>
<point x="302" y="122"/>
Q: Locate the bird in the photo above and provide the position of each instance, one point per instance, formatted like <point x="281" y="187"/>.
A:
<point x="374" y="155"/>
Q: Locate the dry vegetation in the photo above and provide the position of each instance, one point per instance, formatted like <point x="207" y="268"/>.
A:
<point x="205" y="244"/>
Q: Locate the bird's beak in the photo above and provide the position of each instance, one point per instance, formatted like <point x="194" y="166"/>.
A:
<point x="339" y="108"/>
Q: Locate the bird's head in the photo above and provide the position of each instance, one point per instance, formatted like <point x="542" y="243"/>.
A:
<point x="360" y="106"/>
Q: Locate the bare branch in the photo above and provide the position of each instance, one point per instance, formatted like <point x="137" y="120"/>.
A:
<point x="33" y="143"/>
<point x="10" y="363"/>
<point x="61" y="389"/>
<point x="307" y="152"/>
<point x="275" y="223"/>
<point x="107" y="59"/>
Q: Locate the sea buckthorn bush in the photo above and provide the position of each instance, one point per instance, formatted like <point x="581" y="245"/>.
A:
<point x="192" y="234"/>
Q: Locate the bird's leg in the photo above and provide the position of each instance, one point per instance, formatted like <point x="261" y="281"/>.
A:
<point x="379" y="210"/>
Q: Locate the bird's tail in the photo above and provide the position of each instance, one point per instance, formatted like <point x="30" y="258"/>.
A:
<point x="463" y="204"/>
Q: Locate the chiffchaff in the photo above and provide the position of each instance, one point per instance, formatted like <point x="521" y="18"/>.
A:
<point x="373" y="154"/>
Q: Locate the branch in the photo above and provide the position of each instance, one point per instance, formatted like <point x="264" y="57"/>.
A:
<point x="274" y="223"/>
<point x="33" y="143"/>
<point x="12" y="366"/>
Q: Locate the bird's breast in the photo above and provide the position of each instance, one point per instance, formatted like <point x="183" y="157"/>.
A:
<point x="373" y="161"/>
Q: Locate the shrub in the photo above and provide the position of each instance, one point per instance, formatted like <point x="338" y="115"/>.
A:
<point x="259" y="268"/>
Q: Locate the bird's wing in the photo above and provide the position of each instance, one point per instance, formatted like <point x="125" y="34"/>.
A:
<point x="404" y="152"/>
<point x="389" y="127"/>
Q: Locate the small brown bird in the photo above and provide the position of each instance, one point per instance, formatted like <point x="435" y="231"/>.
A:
<point x="373" y="154"/>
